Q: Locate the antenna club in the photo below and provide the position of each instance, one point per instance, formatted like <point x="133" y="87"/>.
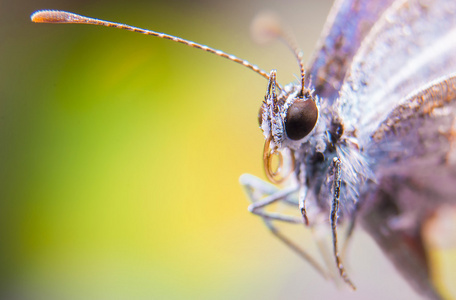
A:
<point x="55" y="16"/>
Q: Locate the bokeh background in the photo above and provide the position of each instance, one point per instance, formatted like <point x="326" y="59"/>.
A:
<point x="120" y="156"/>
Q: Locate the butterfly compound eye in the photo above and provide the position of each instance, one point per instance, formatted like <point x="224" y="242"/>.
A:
<point x="301" y="118"/>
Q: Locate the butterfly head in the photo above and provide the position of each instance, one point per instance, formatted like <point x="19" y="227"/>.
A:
<point x="288" y="117"/>
<point x="287" y="120"/>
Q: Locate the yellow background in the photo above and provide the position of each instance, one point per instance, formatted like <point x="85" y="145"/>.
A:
<point x="120" y="156"/>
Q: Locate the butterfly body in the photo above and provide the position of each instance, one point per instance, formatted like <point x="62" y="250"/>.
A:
<point x="314" y="153"/>
<point x="391" y="99"/>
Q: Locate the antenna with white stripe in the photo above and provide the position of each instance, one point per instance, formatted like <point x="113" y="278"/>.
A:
<point x="58" y="16"/>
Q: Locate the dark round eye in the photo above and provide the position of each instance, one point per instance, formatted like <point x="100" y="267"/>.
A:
<point x="301" y="118"/>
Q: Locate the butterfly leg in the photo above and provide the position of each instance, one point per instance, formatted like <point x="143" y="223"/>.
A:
<point x="262" y="194"/>
<point x="302" y="195"/>
<point x="334" y="211"/>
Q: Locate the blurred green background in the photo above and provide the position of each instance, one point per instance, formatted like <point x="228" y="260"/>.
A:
<point x="120" y="156"/>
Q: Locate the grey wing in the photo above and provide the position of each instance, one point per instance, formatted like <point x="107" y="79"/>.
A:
<point x="347" y="25"/>
<point x="414" y="160"/>
<point x="412" y="43"/>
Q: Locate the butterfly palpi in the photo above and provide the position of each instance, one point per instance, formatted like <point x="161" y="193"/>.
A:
<point x="367" y="135"/>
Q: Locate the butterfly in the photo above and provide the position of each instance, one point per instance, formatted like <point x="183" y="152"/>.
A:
<point x="365" y="136"/>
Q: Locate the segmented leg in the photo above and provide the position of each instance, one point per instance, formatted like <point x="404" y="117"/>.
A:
<point x="334" y="211"/>
<point x="262" y="194"/>
<point x="256" y="189"/>
<point x="302" y="194"/>
<point x="297" y="249"/>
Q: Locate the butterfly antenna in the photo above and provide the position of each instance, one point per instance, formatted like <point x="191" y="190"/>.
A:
<point x="58" y="16"/>
<point x="267" y="26"/>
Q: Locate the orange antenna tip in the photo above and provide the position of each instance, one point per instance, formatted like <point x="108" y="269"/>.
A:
<point x="56" y="16"/>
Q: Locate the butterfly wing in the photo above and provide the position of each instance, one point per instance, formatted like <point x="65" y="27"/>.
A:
<point x="416" y="174"/>
<point x="412" y="43"/>
<point x="347" y="25"/>
<point x="408" y="139"/>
